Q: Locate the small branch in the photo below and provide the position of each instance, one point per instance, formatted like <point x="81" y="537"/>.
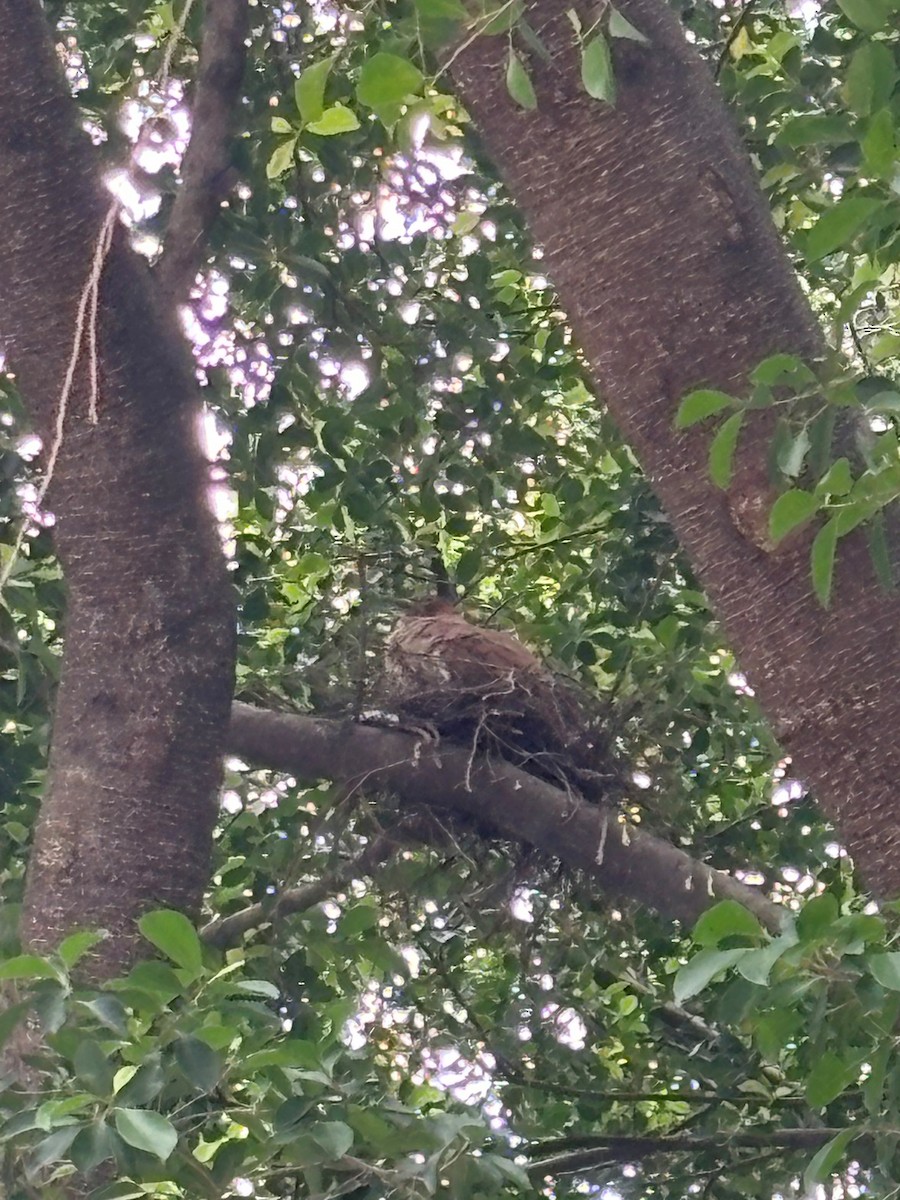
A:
<point x="223" y="54"/>
<point x="590" y="1151"/>
<point x="592" y="838"/>
<point x="227" y="931"/>
<point x="624" y="1097"/>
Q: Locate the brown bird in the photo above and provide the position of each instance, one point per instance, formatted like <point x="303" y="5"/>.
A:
<point x="485" y="687"/>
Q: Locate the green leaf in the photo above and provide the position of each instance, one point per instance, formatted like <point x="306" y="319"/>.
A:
<point x="93" y="1067"/>
<point x="499" y="16"/>
<point x="143" y="1086"/>
<point x="280" y="125"/>
<point x="870" y="78"/>
<point x="532" y="41"/>
<point x="702" y="969"/>
<point x="756" y="966"/>
<point x="878" y="145"/>
<point x="146" y="1130"/>
<point x="468" y="566"/>
<point x="814" y="129"/>
<point x="109" y="1012"/>
<point x="309" y="91"/>
<point x="879" y="551"/>
<point x="386" y="81"/>
<point x="256" y="987"/>
<point x="10" y="1018"/>
<point x="95" y="1144"/>
<point x="155" y="979"/>
<point x="723" y="920"/>
<point x="518" y="83"/>
<point x="791" y="509"/>
<point x="870" y="16"/>
<point x="822" y="561"/>
<point x="337" y="119"/>
<point x="282" y="159"/>
<point x="173" y="934"/>
<point x="886" y="969"/>
<point x="441" y="10"/>
<point x="823" y="1162"/>
<point x="289" y="1114"/>
<point x="334" y="1137"/>
<point x="597" y="69"/>
<point x="722" y="448"/>
<point x="837" y="481"/>
<point x="849" y="516"/>
<point x="817" y="917"/>
<point x="619" y="27"/>
<point x="883" y="402"/>
<point x="701" y="404"/>
<point x="312" y="566"/>
<point x="29" y="966"/>
<point x="792" y="451"/>
<point x="778" y="367"/>
<point x="52" y="1149"/>
<point x="357" y="920"/>
<point x="73" y="948"/>
<point x="873" y="1087"/>
<point x="829" y="1076"/>
<point x="837" y="227"/>
<point x="199" y="1062"/>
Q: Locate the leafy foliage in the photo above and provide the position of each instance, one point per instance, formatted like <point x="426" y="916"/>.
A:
<point x="399" y="405"/>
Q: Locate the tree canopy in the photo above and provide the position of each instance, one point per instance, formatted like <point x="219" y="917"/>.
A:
<point x="398" y="966"/>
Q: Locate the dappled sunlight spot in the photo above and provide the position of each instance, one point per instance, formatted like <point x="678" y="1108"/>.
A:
<point x="568" y="1026"/>
<point x="231" y="802"/>
<point x="752" y="878"/>
<point x="788" y="790"/>
<point x="137" y="205"/>
<point x="521" y="906"/>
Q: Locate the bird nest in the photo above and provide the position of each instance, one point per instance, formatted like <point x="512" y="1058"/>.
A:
<point x="483" y="688"/>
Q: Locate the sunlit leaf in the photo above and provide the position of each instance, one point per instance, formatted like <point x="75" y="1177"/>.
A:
<point x="282" y="159"/>
<point x="700" y="405"/>
<point x="337" y="119"/>
<point x="837" y="226"/>
<point x="309" y="91"/>
<point x="597" y="69"/>
<point x="146" y="1130"/>
<point x="619" y="27"/>
<point x="722" y="448"/>
<point x="822" y="561"/>
<point x="701" y="970"/>
<point x="791" y="509"/>
<point x="518" y="82"/>
<point x="386" y="80"/>
<point x="173" y="934"/>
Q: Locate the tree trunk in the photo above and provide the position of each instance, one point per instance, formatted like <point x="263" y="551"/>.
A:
<point x="663" y="251"/>
<point x="147" y="671"/>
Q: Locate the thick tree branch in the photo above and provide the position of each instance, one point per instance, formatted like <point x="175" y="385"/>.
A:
<point x="223" y="55"/>
<point x="621" y="858"/>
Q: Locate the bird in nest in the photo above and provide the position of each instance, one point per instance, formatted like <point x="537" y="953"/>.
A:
<point x="486" y="688"/>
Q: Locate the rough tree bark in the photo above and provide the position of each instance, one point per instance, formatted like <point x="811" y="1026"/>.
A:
<point x="663" y="251"/>
<point x="147" y="672"/>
